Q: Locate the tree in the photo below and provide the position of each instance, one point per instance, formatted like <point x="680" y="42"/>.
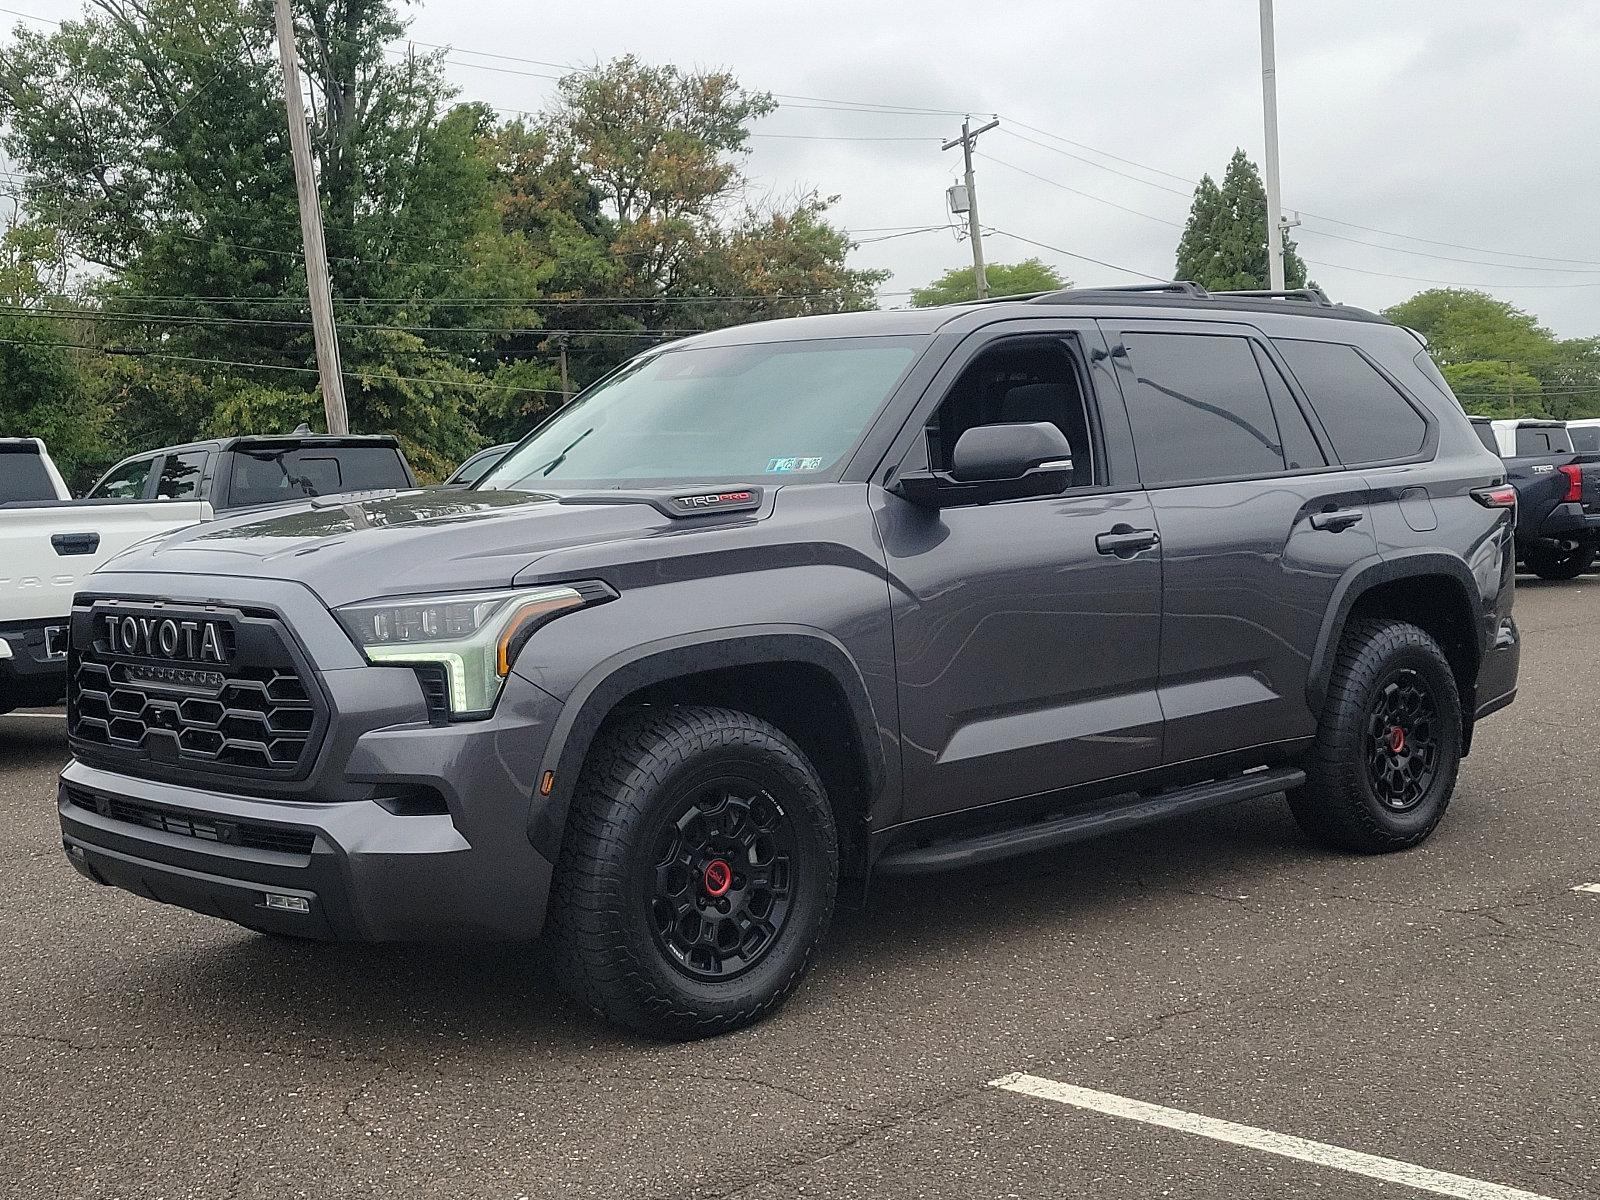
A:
<point x="1224" y="243"/>
<point x="1005" y="279"/>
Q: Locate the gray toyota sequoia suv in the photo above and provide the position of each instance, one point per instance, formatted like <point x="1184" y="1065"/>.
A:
<point x="775" y="610"/>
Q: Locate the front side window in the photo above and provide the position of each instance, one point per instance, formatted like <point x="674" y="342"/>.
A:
<point x="1367" y="419"/>
<point x="126" y="482"/>
<point x="1200" y="409"/>
<point x="1018" y="380"/>
<point x="772" y="412"/>
<point x="180" y="476"/>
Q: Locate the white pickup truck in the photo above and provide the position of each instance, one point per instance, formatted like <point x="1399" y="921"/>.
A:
<point x="50" y="543"/>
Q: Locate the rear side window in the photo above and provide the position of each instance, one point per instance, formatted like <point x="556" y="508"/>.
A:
<point x="1542" y="441"/>
<point x="180" y="476"/>
<point x="1300" y="449"/>
<point x="126" y="482"/>
<point x="22" y="475"/>
<point x="274" y="476"/>
<point x="1367" y="419"/>
<point x="1586" y="437"/>
<point x="1486" y="436"/>
<point x="1200" y="409"/>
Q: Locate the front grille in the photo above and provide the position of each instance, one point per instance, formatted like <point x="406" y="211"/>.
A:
<point x="206" y="827"/>
<point x="255" y="714"/>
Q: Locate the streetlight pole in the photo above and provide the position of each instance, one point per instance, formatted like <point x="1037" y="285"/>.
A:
<point x="319" y="289"/>
<point x="1269" y="106"/>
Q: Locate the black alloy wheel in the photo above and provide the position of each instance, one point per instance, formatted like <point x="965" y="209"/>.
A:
<point x="1403" y="742"/>
<point x="724" y="878"/>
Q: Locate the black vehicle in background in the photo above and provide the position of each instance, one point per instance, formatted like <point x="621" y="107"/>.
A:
<point x="778" y="609"/>
<point x="1558" y="494"/>
<point x="247" y="472"/>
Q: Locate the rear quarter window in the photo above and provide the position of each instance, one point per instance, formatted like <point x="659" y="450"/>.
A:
<point x="1365" y="416"/>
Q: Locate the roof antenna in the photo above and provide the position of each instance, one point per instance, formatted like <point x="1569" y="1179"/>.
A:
<point x="302" y="428"/>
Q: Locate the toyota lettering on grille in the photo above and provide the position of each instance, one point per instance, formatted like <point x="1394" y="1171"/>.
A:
<point x="177" y="639"/>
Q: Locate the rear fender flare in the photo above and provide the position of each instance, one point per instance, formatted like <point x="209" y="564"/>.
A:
<point x="1361" y="579"/>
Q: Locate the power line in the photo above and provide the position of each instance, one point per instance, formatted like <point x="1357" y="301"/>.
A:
<point x="1017" y="237"/>
<point x="122" y="352"/>
<point x="1076" y="192"/>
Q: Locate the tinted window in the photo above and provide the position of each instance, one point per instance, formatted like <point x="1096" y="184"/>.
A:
<point x="775" y="410"/>
<point x="1300" y="449"/>
<point x="126" y="482"/>
<point x="180" y="476"/>
<point x="1486" y="436"/>
<point x="1199" y="409"/>
<point x="1367" y="420"/>
<point x="1585" y="437"/>
<point x="1542" y="441"/>
<point x="273" y="476"/>
<point x="22" y="475"/>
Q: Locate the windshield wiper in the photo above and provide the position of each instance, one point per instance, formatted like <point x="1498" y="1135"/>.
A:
<point x="562" y="457"/>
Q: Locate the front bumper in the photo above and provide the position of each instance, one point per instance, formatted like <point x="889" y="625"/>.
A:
<point x="406" y="831"/>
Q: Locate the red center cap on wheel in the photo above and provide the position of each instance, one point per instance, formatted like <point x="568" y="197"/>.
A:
<point x="718" y="878"/>
<point x="1397" y="739"/>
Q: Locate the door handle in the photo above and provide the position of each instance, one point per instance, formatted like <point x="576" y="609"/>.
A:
<point x="1336" y="520"/>
<point x="67" y="544"/>
<point x="1125" y="541"/>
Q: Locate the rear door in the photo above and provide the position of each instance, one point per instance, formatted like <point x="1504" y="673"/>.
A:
<point x="1257" y="525"/>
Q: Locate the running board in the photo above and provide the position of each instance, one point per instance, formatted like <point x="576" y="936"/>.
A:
<point x="955" y="853"/>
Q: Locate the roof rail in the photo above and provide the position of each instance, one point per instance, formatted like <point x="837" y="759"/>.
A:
<point x="1311" y="295"/>
<point x="1178" y="287"/>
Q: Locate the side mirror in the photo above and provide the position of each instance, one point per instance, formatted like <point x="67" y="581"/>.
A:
<point x="994" y="462"/>
<point x="988" y="453"/>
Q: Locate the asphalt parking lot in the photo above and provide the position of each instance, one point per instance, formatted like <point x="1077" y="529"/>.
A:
<point x="1436" y="1008"/>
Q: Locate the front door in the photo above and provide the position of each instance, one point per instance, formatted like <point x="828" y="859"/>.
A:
<point x="1026" y="632"/>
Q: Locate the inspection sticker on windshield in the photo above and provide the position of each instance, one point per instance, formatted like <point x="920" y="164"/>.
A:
<point x="778" y="465"/>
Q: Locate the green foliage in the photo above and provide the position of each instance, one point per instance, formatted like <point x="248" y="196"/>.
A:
<point x="1224" y="243"/>
<point x="154" y="133"/>
<point x="1499" y="360"/>
<point x="1005" y="279"/>
<point x="42" y="394"/>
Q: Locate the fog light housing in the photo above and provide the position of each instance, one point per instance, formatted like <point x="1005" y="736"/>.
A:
<point x="294" y="904"/>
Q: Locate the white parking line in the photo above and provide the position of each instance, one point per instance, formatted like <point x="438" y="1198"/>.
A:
<point x="1371" y="1165"/>
<point x="1587" y="887"/>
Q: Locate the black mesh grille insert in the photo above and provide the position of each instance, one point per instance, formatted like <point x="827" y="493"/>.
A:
<point x="251" y="714"/>
<point x="205" y="826"/>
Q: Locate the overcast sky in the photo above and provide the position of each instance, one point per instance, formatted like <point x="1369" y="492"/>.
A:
<point x="1469" y="122"/>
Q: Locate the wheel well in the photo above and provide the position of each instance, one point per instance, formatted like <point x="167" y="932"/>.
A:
<point x="809" y="707"/>
<point x="1437" y="605"/>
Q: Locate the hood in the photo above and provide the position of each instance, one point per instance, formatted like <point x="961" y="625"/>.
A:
<point x="350" y="548"/>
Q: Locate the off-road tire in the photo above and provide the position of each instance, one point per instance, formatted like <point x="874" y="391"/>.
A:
<point x="1340" y="805"/>
<point x="1565" y="560"/>
<point x="603" y="924"/>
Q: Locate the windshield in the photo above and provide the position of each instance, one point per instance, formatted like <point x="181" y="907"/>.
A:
<point x="779" y="410"/>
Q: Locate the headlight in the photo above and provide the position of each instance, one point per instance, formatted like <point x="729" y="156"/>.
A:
<point x="474" y="636"/>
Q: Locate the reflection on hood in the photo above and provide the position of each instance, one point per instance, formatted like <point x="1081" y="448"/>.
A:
<point x="333" y="515"/>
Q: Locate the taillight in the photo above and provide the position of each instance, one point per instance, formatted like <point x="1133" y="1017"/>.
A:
<point x="1504" y="496"/>
<point x="1574" y="474"/>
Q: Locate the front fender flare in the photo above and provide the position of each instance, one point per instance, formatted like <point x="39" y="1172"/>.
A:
<point x="598" y="693"/>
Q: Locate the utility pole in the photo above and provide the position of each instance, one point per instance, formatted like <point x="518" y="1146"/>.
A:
<point x="318" y="287"/>
<point x="566" y="384"/>
<point x="1269" y="106"/>
<point x="974" y="231"/>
